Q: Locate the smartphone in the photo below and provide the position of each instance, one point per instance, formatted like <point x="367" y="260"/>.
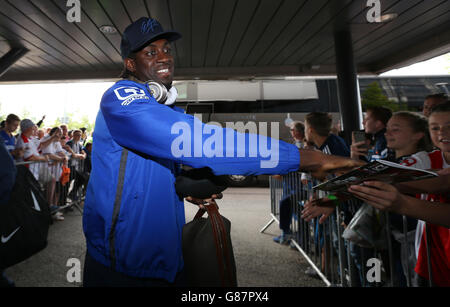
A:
<point x="359" y="136"/>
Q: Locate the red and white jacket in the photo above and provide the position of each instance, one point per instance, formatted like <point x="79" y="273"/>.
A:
<point x="439" y="236"/>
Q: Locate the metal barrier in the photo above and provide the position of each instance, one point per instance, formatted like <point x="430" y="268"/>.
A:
<point x="63" y="184"/>
<point x="339" y="261"/>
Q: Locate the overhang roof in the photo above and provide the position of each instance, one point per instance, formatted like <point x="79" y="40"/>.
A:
<point x="222" y="38"/>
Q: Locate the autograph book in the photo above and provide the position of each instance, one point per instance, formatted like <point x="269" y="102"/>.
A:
<point x="380" y="170"/>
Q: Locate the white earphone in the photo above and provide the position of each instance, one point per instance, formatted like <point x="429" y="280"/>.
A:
<point x="161" y="94"/>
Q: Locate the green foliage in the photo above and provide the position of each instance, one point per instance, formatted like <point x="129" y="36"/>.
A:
<point x="2" y="116"/>
<point x="447" y="66"/>
<point x="373" y="97"/>
<point x="74" y="123"/>
<point x="27" y="114"/>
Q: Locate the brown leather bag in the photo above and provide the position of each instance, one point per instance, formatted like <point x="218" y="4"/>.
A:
<point x="207" y="250"/>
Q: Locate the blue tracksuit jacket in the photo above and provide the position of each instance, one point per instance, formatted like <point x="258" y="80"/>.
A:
<point x="145" y="240"/>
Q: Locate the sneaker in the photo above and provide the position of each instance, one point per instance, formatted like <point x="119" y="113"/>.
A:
<point x="58" y="216"/>
<point x="284" y="238"/>
<point x="53" y="209"/>
<point x="312" y="273"/>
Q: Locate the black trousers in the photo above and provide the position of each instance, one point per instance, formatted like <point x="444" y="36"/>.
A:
<point x="97" y="275"/>
<point x="285" y="214"/>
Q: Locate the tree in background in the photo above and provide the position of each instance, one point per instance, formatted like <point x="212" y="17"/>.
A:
<point x="68" y="120"/>
<point x="373" y="97"/>
<point x="74" y="123"/>
<point x="27" y="114"/>
<point x="447" y="67"/>
<point x="2" y="116"/>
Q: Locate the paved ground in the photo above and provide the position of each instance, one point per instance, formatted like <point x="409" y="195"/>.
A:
<point x="260" y="262"/>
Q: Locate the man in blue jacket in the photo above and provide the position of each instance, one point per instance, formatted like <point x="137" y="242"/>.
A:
<point x="133" y="218"/>
<point x="7" y="180"/>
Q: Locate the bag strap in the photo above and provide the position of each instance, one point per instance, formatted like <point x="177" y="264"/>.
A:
<point x="220" y="241"/>
<point x="226" y="249"/>
<point x="116" y="210"/>
<point x="199" y="214"/>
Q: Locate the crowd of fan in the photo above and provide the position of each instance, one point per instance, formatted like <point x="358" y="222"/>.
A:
<point x="407" y="138"/>
<point x="56" y="156"/>
<point x="403" y="137"/>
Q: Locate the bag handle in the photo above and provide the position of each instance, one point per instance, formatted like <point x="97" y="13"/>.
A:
<point x="220" y="240"/>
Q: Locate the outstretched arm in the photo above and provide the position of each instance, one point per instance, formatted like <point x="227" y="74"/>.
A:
<point x="385" y="196"/>
<point x="320" y="164"/>
<point x="439" y="184"/>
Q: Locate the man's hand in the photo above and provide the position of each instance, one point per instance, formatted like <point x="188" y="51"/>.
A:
<point x="78" y="156"/>
<point x="380" y="195"/>
<point x="201" y="202"/>
<point x="317" y="161"/>
<point x="320" y="164"/>
<point x="323" y="207"/>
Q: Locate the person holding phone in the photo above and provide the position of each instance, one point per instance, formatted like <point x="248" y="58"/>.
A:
<point x="375" y="122"/>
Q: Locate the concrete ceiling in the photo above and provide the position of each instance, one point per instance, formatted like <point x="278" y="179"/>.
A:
<point x="222" y="39"/>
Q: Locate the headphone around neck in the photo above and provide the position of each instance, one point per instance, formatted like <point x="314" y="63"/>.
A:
<point x="161" y="94"/>
<point x="158" y="91"/>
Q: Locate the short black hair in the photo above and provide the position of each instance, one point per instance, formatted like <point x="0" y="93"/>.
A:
<point x="125" y="74"/>
<point x="320" y="122"/>
<point x="382" y="114"/>
<point x="12" y="118"/>
<point x="54" y="129"/>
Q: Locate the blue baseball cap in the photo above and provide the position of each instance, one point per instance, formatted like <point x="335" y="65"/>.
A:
<point x="142" y="32"/>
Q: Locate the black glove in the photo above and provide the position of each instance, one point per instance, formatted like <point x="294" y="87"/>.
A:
<point x="199" y="183"/>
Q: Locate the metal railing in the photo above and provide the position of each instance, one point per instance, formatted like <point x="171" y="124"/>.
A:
<point x="342" y="262"/>
<point x="63" y="184"/>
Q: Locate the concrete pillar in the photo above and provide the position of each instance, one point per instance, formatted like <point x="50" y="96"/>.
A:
<point x="348" y="85"/>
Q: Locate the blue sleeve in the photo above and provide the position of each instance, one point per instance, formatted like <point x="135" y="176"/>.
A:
<point x="7" y="174"/>
<point x="157" y="130"/>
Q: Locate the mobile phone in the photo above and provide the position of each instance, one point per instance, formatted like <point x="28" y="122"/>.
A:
<point x="359" y="136"/>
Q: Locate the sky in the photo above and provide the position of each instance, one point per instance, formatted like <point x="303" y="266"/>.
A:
<point x="56" y="100"/>
<point x="437" y="66"/>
